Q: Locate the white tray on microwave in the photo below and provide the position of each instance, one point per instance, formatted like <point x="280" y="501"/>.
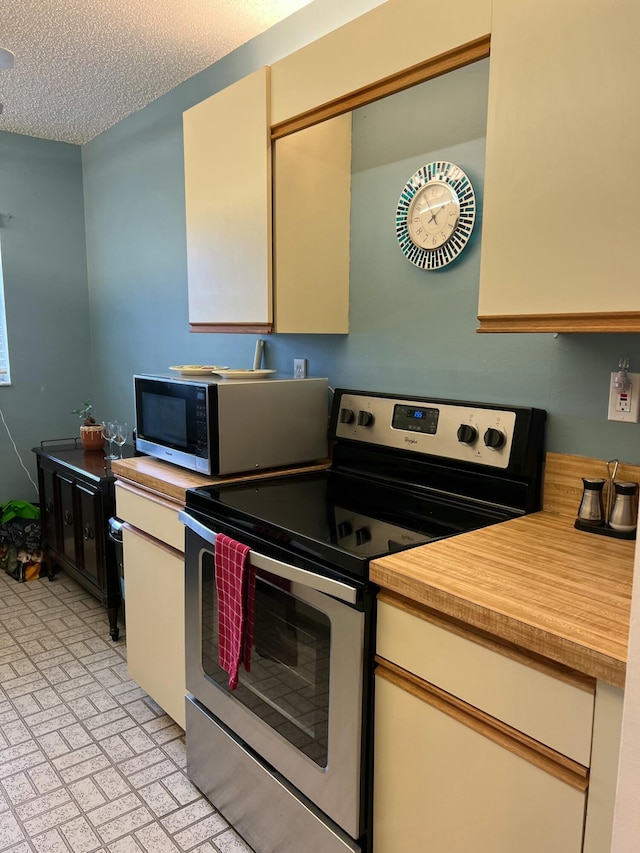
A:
<point x="196" y="369"/>
<point x="242" y="374"/>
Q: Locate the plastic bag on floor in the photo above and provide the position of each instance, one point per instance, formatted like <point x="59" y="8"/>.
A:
<point x="20" y="540"/>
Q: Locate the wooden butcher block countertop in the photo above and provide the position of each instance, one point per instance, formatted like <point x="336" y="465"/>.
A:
<point x="534" y="581"/>
<point x="172" y="482"/>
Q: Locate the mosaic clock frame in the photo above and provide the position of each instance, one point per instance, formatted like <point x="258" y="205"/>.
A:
<point x="435" y="215"/>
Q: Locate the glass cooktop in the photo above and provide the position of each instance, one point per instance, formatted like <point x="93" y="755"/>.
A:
<point x="341" y="519"/>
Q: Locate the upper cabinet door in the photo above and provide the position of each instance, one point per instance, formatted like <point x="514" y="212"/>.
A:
<point x="562" y="168"/>
<point x="227" y="162"/>
<point x="312" y="206"/>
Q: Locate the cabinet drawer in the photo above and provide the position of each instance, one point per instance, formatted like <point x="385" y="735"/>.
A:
<point x="440" y="785"/>
<point x="556" y="711"/>
<point x="155" y="516"/>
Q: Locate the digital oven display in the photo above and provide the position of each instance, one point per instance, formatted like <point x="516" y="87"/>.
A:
<point x="415" y="419"/>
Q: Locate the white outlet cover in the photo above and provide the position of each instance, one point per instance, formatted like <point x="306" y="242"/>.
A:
<point x="300" y="368"/>
<point x="630" y="413"/>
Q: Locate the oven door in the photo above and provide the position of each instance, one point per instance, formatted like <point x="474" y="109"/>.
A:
<point x="300" y="708"/>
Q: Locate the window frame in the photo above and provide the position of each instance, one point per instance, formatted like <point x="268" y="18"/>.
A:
<point x="5" y="367"/>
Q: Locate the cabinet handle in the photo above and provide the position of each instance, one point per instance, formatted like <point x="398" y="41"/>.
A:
<point x="88" y="532"/>
<point x="541" y="756"/>
<point x="68" y="518"/>
<point x="48" y="506"/>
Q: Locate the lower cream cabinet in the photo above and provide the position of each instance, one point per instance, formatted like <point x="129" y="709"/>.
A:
<point x="477" y="751"/>
<point x="154" y="596"/>
<point x="442" y="784"/>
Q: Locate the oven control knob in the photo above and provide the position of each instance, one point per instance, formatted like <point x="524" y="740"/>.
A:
<point x="365" y="418"/>
<point x="467" y="434"/>
<point x="346" y="416"/>
<point x="494" y="438"/>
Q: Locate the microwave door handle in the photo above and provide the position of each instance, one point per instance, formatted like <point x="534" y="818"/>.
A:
<point x="337" y="589"/>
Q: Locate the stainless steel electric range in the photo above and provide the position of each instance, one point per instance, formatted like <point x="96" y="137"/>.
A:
<point x="287" y="757"/>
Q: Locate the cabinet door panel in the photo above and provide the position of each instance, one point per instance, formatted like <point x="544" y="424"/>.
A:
<point x="603" y="773"/>
<point x="68" y="516"/>
<point x="91" y="534"/>
<point x="154" y="599"/>
<point x="48" y="507"/>
<point x="312" y="206"/>
<point x="227" y="164"/>
<point x="563" y="119"/>
<point x="439" y="785"/>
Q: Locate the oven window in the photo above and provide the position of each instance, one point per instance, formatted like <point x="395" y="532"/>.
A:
<point x="288" y="685"/>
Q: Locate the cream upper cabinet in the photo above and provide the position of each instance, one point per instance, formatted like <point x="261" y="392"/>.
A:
<point x="312" y="206"/>
<point x="562" y="168"/>
<point x="246" y="274"/>
<point x="227" y="165"/>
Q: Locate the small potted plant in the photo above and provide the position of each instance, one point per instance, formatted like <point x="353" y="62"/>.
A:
<point x="90" y="431"/>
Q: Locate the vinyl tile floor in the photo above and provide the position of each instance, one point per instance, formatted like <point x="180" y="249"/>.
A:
<point x="88" y="761"/>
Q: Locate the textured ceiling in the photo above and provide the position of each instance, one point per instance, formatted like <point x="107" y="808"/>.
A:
<point x="81" y="66"/>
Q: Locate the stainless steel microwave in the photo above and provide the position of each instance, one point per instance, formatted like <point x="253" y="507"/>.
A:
<point x="224" y="426"/>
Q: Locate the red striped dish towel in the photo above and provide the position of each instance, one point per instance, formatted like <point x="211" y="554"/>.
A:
<point x="235" y="585"/>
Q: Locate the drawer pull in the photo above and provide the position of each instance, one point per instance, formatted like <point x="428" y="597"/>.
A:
<point x="546" y="758"/>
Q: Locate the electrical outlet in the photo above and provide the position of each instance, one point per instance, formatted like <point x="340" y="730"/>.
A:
<point x="299" y="368"/>
<point x="624" y="405"/>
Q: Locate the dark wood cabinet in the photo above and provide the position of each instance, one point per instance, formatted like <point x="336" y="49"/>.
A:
<point x="77" y="499"/>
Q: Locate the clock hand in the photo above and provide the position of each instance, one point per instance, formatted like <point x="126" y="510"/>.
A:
<point x="433" y="217"/>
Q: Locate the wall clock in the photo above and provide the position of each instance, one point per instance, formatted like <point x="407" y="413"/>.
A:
<point x="435" y="215"/>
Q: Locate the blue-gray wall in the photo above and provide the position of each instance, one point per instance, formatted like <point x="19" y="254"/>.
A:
<point x="411" y="331"/>
<point x="47" y="303"/>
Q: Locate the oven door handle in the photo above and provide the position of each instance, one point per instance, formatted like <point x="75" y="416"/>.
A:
<point x="337" y="589"/>
<point x="200" y="529"/>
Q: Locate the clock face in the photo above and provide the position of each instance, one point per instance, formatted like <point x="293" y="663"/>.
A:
<point x="435" y="215"/>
